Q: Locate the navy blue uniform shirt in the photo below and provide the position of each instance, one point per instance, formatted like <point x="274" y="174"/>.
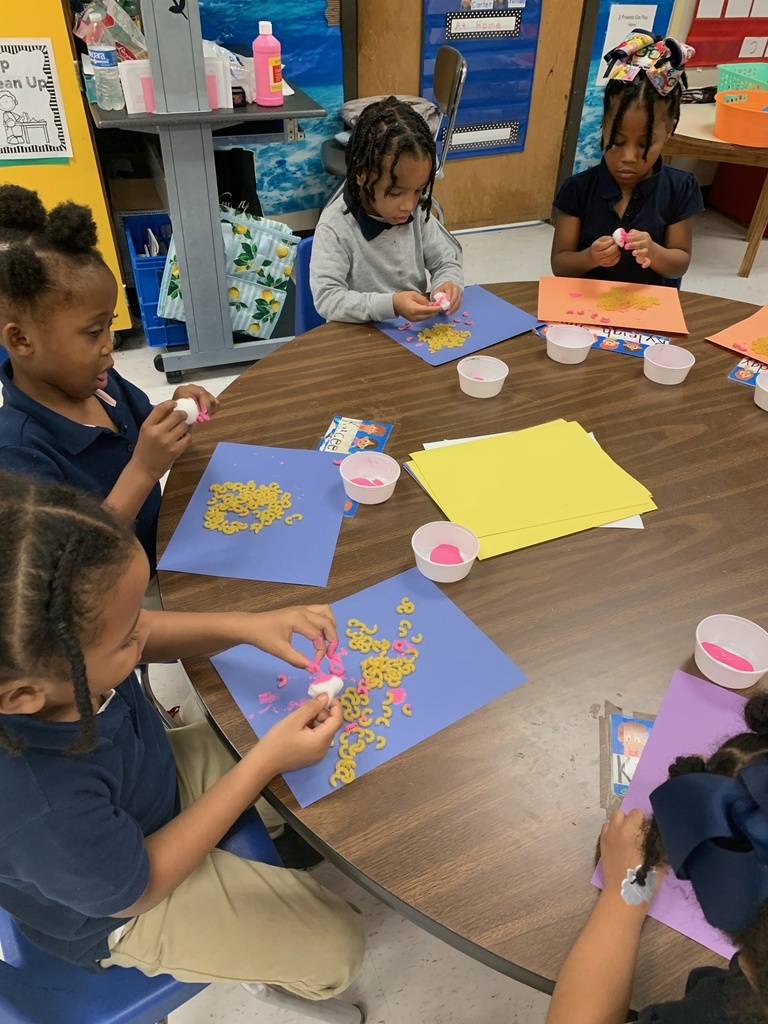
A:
<point x="666" y="197"/>
<point x="72" y="828"/>
<point x="711" y="994"/>
<point x="36" y="441"/>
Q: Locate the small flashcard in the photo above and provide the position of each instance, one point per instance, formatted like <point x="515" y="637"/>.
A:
<point x="746" y="371"/>
<point x="609" y="339"/>
<point x="346" y="435"/>
<point x="482" y="320"/>
<point x="401" y="681"/>
<point x="257" y="513"/>
<point x="623" y="739"/>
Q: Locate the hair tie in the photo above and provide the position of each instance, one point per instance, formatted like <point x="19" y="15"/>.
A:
<point x="662" y="61"/>
<point x="715" y="834"/>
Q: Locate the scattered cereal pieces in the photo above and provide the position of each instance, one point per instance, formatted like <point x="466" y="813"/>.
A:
<point x="623" y="298"/>
<point x="406" y="607"/>
<point x="469" y="323"/>
<point x="760" y="346"/>
<point x="417" y="638"/>
<point x="401" y="327"/>
<point x="442" y="336"/>
<point x="407" y="710"/>
<point x="266" y="503"/>
<point x="403" y="627"/>
<point x="457" y="319"/>
<point x="465" y="312"/>
<point x="295" y="518"/>
<point x="337" y="462"/>
<point x="410" y="338"/>
<point x="381" y="741"/>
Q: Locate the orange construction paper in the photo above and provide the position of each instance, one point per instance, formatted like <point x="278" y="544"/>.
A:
<point x="748" y="337"/>
<point x="641" y="307"/>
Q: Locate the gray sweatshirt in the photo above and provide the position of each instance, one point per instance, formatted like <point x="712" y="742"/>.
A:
<point x="354" y="277"/>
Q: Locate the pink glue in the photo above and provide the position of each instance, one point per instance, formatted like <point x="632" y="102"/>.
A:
<point x="446" y="554"/>
<point x="363" y="481"/>
<point x="267" y="66"/>
<point x="727" y="657"/>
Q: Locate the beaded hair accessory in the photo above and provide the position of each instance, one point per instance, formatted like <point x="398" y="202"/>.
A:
<point x="662" y="61"/>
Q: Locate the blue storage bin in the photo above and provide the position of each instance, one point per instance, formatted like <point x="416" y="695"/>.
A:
<point x="147" y="275"/>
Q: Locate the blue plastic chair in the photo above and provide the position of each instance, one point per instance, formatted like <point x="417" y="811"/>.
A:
<point x="307" y="316"/>
<point x="38" y="988"/>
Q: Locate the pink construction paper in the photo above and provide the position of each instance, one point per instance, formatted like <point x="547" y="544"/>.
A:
<point x="695" y="717"/>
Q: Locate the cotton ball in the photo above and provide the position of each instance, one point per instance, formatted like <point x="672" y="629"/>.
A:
<point x="619" y="236"/>
<point x="330" y="687"/>
<point x="442" y="300"/>
<point x="189" y="407"/>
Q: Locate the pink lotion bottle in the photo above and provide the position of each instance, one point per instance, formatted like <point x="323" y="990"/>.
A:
<point x="267" y="66"/>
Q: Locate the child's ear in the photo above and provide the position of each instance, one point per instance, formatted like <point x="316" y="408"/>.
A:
<point x="22" y="697"/>
<point x="360" y="179"/>
<point x="15" y="340"/>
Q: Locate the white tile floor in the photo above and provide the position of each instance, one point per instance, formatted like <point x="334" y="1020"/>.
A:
<point x="410" y="977"/>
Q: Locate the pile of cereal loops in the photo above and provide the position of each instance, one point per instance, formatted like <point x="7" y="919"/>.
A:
<point x="760" y="346"/>
<point x="625" y="298"/>
<point x="380" y="671"/>
<point x="443" y="336"/>
<point x="265" y="502"/>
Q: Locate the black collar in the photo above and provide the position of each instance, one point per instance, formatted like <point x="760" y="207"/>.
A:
<point x="370" y="227"/>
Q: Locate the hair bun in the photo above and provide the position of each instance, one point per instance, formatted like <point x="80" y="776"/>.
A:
<point x="71" y="227"/>
<point x="21" y="210"/>
<point x="756" y="713"/>
<point x="692" y="764"/>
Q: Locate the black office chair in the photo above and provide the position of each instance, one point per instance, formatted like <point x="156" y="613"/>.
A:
<point x="448" y="85"/>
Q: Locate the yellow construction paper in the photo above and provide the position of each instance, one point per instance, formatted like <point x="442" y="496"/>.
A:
<point x="543" y="475"/>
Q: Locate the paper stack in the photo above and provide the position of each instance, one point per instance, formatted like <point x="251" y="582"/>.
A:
<point x="518" y="489"/>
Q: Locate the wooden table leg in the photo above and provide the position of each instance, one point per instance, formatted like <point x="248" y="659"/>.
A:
<point x="756" y="230"/>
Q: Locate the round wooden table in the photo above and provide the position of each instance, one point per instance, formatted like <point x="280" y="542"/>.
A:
<point x="485" y="833"/>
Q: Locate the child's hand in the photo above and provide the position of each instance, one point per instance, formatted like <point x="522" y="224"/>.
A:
<point x="453" y="292"/>
<point x="163" y="437"/>
<point x="273" y="631"/>
<point x="641" y="245"/>
<point x="605" y="252"/>
<point x="414" y="306"/>
<point x="301" y="738"/>
<point x="207" y="402"/>
<point x="621" y="843"/>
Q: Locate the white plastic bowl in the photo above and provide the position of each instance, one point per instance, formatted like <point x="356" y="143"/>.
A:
<point x="371" y="466"/>
<point x="667" y="364"/>
<point x="430" y="536"/>
<point x="738" y="636"/>
<point x="482" y="376"/>
<point x="568" y="344"/>
<point x="761" y="390"/>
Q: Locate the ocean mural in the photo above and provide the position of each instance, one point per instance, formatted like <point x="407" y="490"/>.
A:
<point x="290" y="176"/>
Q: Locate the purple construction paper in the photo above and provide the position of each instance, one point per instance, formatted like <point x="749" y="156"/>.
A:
<point x="493" y="320"/>
<point x="299" y="553"/>
<point x="695" y="717"/>
<point x="458" y="671"/>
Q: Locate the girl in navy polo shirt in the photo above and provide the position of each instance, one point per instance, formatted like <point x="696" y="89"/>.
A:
<point x="631" y="217"/>
<point x="710" y="826"/>
<point x="109" y="824"/>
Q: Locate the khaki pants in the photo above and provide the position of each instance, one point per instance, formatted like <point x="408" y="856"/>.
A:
<point x="235" y="920"/>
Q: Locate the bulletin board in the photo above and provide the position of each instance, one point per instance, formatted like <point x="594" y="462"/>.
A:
<point x="729" y="31"/>
<point x="498" y="38"/>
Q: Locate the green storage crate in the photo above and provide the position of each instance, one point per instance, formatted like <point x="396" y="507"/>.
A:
<point x="742" y="76"/>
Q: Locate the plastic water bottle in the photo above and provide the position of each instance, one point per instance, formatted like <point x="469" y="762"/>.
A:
<point x="267" y="67"/>
<point x="103" y="54"/>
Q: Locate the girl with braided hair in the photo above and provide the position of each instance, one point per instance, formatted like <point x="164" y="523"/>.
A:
<point x="631" y="217"/>
<point x="108" y="823"/>
<point x="376" y="243"/>
<point x="67" y="414"/>
<point x="710" y="826"/>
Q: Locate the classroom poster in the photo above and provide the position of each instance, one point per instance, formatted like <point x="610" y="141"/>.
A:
<point x="32" y="122"/>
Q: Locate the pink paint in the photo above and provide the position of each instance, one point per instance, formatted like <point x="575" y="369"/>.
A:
<point x="569" y="312"/>
<point x="401" y="327"/>
<point x="337" y="462"/>
<point x="333" y="646"/>
<point x="323" y="677"/>
<point x="398" y="646"/>
<point x="740" y="348"/>
<point x="594" y="316"/>
<point x="457" y="319"/>
<point x="446" y="554"/>
<point x="267" y="698"/>
<point x="203" y="416"/>
<point x="281" y="681"/>
<point x="363" y="481"/>
<point x="469" y="322"/>
<point x="409" y="338"/>
<point x="336" y="667"/>
<point x="579" y="312"/>
<point x="465" y="313"/>
<point x="574" y="295"/>
<point x="250" y="716"/>
<point x="350" y="727"/>
<point x="408" y="323"/>
<point x="727" y="657"/>
<point x="397" y="694"/>
<point x="605" y="319"/>
<point x="477" y="378"/>
<point x="362" y="688"/>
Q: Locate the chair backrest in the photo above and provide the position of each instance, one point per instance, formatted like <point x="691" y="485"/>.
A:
<point x="307" y="316"/>
<point x="448" y="85"/>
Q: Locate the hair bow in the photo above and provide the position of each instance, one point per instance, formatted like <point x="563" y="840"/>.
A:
<point x="715" y="834"/>
<point x="662" y="61"/>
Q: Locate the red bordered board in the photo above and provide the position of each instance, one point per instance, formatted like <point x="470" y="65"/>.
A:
<point x="729" y="31"/>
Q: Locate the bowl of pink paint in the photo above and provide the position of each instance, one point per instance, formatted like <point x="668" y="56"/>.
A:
<point x="369" y="477"/>
<point x="444" y="551"/>
<point x="731" y="651"/>
<point x="482" y="376"/>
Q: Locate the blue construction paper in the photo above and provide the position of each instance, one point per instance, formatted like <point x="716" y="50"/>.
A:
<point x="493" y="320"/>
<point x="458" y="671"/>
<point x="300" y="553"/>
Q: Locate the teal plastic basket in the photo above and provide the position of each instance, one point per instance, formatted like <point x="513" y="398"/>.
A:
<point x="742" y="76"/>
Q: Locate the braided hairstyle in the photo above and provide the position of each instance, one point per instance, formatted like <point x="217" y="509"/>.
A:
<point x="41" y="252"/>
<point x="387" y="128"/>
<point x="751" y="1004"/>
<point x="59" y="551"/>
<point x="642" y="93"/>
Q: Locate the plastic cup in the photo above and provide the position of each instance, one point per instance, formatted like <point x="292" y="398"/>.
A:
<point x="430" y="536"/>
<point x="482" y="376"/>
<point x="568" y="344"/>
<point x="761" y="390"/>
<point x="738" y="636"/>
<point x="667" y="364"/>
<point x="370" y="466"/>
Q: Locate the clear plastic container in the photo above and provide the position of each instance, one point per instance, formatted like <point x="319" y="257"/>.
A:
<point x="103" y="55"/>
